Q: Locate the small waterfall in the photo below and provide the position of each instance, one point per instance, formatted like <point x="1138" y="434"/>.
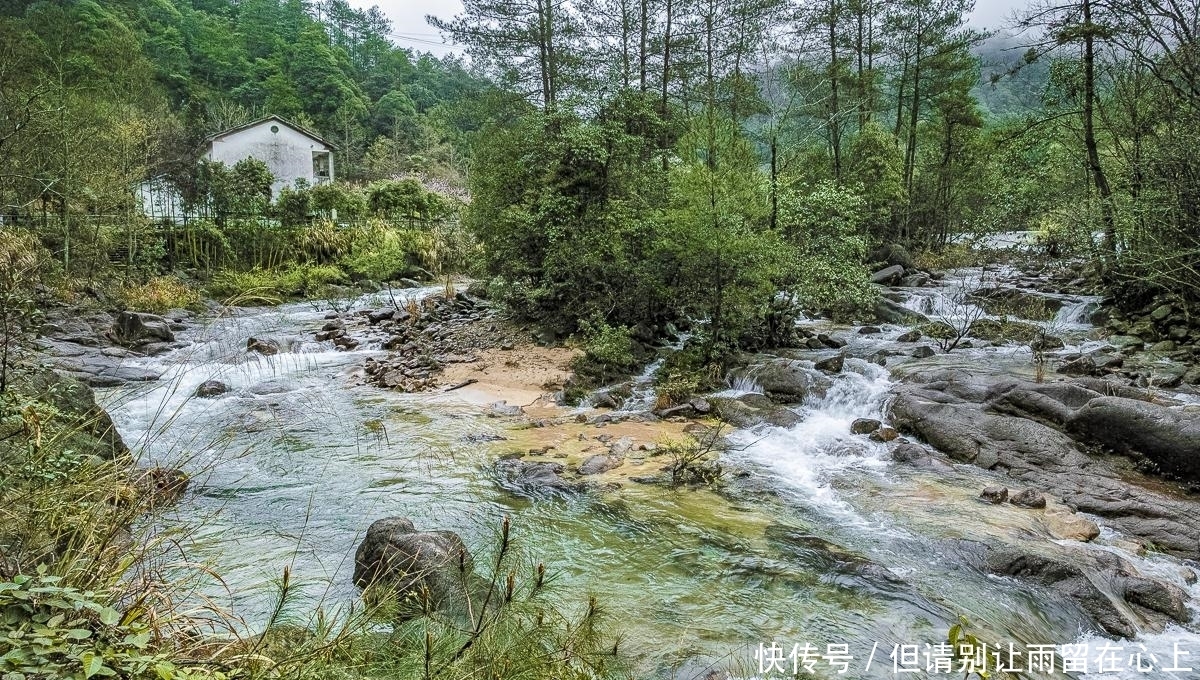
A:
<point x="643" y="396"/>
<point x="1076" y="314"/>
<point x="803" y="457"/>
<point x="741" y="385"/>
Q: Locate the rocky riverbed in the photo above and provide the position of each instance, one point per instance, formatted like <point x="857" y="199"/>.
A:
<point x="869" y="487"/>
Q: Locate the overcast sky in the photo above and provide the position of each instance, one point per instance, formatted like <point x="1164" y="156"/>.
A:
<point x="410" y="29"/>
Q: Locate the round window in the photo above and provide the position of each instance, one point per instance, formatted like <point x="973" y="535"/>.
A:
<point x="275" y="129"/>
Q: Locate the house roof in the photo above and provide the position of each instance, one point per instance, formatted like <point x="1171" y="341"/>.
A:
<point x="278" y="119"/>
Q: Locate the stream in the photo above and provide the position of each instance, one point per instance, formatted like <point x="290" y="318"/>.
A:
<point x="294" y="462"/>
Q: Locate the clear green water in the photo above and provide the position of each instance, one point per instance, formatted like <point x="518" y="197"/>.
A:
<point x="293" y="474"/>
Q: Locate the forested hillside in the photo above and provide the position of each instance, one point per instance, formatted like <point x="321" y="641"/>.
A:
<point x="736" y="148"/>
<point x="98" y="95"/>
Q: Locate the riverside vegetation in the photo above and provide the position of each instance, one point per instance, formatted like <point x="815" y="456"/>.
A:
<point x="679" y="184"/>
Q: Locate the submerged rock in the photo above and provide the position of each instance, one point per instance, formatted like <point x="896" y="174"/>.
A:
<point x="534" y="479"/>
<point x="599" y="464"/>
<point x="1128" y="603"/>
<point x="211" y="388"/>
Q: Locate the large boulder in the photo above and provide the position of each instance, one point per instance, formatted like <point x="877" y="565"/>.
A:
<point x="138" y="328"/>
<point x="791" y="382"/>
<point x="892" y="255"/>
<point x="888" y="276"/>
<point x="1031" y="431"/>
<point x="396" y="555"/>
<point x="751" y="410"/>
<point x="1164" y="435"/>
<point x="91" y="430"/>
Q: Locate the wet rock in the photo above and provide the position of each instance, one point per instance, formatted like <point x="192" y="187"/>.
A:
<point x="1148" y="603"/>
<point x="533" y="479"/>
<point x="396" y="555"/>
<point x="1123" y="342"/>
<point x="211" y="388"/>
<point x="276" y="386"/>
<point x="503" y="409"/>
<point x="324" y="336"/>
<point x="599" y="463"/>
<point x="335" y="325"/>
<point x="1162" y="434"/>
<point x="264" y="347"/>
<point x="831" y="365"/>
<point x="911" y="336"/>
<point x="828" y="557"/>
<point x="701" y="406"/>
<point x="136" y="328"/>
<point x="915" y="281"/>
<point x="864" y="426"/>
<point x="752" y="410"/>
<point x="621" y="447"/>
<point x="916" y="456"/>
<point x="885" y="435"/>
<point x="380" y="315"/>
<point x="791" y="382"/>
<point x="1028" y="499"/>
<point x="970" y="418"/>
<point x="1046" y="343"/>
<point x="888" y="276"/>
<point x="923" y="352"/>
<point x="1070" y="526"/>
<point x="345" y="343"/>
<point x="1084" y="365"/>
<point x="869" y="330"/>
<point x="161" y="486"/>
<point x="888" y="311"/>
<point x="994" y="494"/>
<point x="830" y="341"/>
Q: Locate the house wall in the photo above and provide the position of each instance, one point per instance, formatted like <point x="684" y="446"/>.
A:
<point x="288" y="153"/>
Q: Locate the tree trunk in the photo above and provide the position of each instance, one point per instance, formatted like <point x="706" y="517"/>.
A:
<point x="1089" y="132"/>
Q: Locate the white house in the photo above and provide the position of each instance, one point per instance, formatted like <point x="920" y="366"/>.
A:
<point x="290" y="151"/>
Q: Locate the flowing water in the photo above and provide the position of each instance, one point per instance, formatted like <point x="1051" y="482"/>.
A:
<point x="816" y="539"/>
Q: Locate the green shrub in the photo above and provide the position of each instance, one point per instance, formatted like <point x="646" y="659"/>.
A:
<point x="158" y="295"/>
<point x="608" y="356"/>
<point x="272" y="286"/>
<point x="58" y="631"/>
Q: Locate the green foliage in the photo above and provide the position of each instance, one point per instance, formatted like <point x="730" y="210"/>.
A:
<point x="608" y="355"/>
<point x="53" y="630"/>
<point x="825" y="226"/>
<point x="877" y="165"/>
<point x="158" y="295"/>
<point x="407" y="201"/>
<point x="22" y="263"/>
<point x="271" y="286"/>
<point x="244" y="189"/>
